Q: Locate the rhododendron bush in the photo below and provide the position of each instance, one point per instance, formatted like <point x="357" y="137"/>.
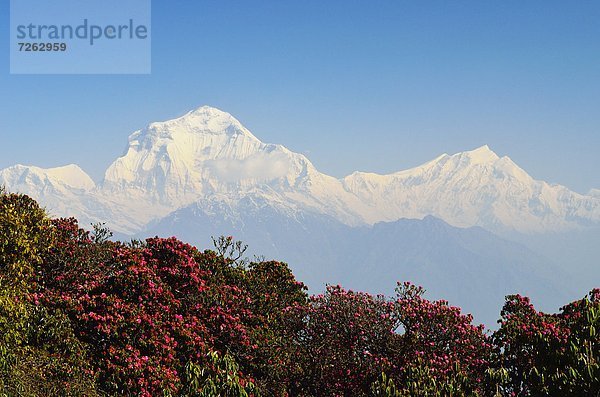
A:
<point x="549" y="354"/>
<point x="81" y="315"/>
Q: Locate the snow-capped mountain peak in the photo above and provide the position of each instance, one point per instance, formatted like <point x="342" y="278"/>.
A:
<point x="174" y="163"/>
<point x="73" y="176"/>
<point x="203" y="120"/>
<point x="170" y="158"/>
<point x="481" y="155"/>
<point x="69" y="176"/>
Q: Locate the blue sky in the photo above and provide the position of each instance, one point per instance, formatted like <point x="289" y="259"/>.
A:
<point x="355" y="85"/>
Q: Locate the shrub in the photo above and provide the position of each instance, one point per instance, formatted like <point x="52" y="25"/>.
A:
<point x="548" y="354"/>
<point x="39" y="354"/>
<point x="347" y="341"/>
<point x="443" y="353"/>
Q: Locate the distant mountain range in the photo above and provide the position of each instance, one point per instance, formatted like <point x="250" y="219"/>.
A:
<point x="205" y="174"/>
<point x="470" y="267"/>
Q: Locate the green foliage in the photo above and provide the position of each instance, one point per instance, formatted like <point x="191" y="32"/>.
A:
<point x="39" y="355"/>
<point x="384" y="387"/>
<point x="23" y="239"/>
<point x="52" y="361"/>
<point x="276" y="301"/>
<point x="218" y="377"/>
<point x="422" y="382"/>
<point x="22" y="227"/>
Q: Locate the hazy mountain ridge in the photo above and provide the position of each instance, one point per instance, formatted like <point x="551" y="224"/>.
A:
<point x="471" y="267"/>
